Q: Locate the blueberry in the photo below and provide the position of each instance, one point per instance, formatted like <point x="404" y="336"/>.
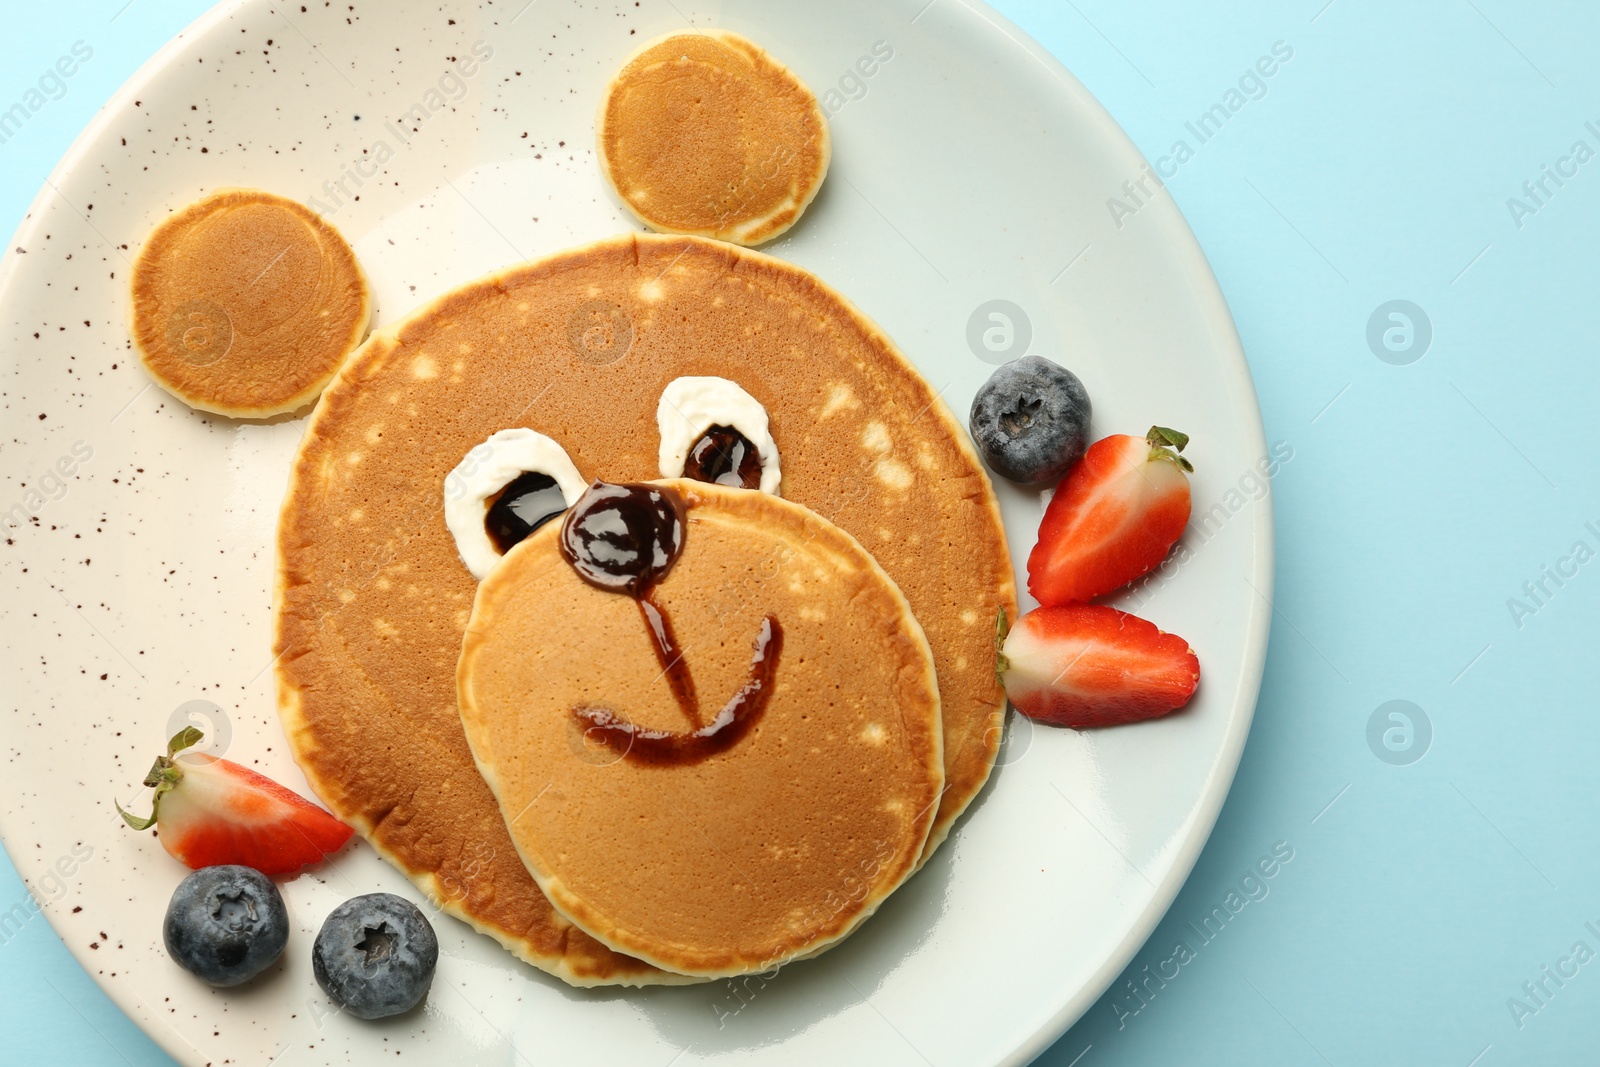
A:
<point x="375" y="955"/>
<point x="226" y="924"/>
<point x="1031" y="420"/>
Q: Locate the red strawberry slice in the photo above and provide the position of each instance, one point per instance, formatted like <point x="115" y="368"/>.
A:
<point x="211" y="811"/>
<point x="1085" y="665"/>
<point x="1113" y="518"/>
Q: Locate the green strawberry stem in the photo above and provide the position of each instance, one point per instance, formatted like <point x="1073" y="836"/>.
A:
<point x="165" y="774"/>
<point x="1001" y="629"/>
<point x="1161" y="438"/>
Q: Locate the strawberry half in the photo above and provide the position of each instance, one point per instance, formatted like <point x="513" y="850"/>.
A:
<point x="211" y="811"/>
<point x="1113" y="518"/>
<point x="1084" y="665"/>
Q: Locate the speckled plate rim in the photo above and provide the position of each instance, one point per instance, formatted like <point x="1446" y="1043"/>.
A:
<point x="1209" y="298"/>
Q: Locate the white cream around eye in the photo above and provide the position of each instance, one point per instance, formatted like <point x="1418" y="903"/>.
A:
<point x="692" y="405"/>
<point x="489" y="468"/>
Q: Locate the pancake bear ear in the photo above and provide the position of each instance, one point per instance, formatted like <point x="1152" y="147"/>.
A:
<point x="503" y="490"/>
<point x="714" y="431"/>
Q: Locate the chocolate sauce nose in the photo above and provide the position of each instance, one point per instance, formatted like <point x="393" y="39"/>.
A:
<point x="623" y="538"/>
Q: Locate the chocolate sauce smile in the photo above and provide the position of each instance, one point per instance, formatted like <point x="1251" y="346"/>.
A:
<point x="625" y="539"/>
<point x="663" y="747"/>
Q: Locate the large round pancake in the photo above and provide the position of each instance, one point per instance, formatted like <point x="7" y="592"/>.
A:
<point x="773" y="848"/>
<point x="245" y="303"/>
<point x="705" y="133"/>
<point x="372" y="599"/>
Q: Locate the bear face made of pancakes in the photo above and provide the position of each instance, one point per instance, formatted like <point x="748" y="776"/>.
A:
<point x="374" y="595"/>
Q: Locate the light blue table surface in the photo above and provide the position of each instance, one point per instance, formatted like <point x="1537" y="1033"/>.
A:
<point x="1427" y="499"/>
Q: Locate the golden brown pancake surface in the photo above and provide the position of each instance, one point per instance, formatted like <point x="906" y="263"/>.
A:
<point x="373" y="600"/>
<point x="245" y="303"/>
<point x="705" y="133"/>
<point x="780" y="841"/>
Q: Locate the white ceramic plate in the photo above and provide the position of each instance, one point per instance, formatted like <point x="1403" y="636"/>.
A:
<point x="968" y="167"/>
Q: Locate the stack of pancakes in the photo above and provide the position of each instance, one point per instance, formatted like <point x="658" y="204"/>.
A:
<point x="374" y="602"/>
<point x="436" y="715"/>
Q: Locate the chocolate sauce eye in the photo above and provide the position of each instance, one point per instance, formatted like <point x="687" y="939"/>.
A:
<point x="724" y="456"/>
<point x="528" y="501"/>
<point x="624" y="538"/>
